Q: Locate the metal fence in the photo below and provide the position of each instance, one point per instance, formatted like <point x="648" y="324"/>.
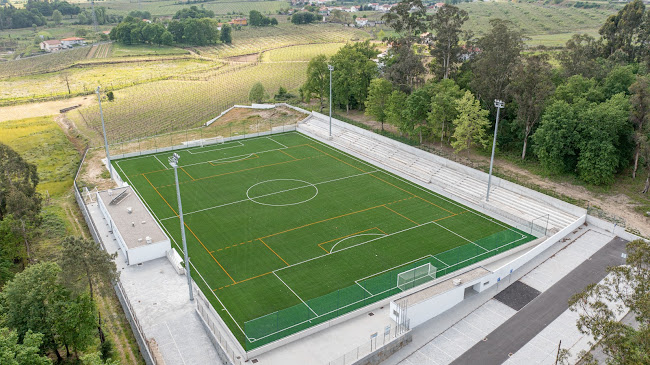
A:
<point x="375" y="343"/>
<point x="138" y="332"/>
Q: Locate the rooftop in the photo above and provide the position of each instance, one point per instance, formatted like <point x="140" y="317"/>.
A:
<point x="133" y="226"/>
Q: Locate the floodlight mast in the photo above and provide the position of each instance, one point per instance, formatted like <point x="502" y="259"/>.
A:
<point x="498" y="104"/>
<point x="173" y="162"/>
<point x="101" y="115"/>
<point x="331" y="68"/>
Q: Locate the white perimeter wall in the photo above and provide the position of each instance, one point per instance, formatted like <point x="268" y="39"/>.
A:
<point x="149" y="252"/>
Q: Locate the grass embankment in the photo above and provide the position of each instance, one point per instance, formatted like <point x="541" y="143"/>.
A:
<point x="42" y="142"/>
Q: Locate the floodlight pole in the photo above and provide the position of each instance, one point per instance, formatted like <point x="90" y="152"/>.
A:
<point x="173" y="162"/>
<point x="331" y="68"/>
<point x="498" y="104"/>
<point x="101" y="115"/>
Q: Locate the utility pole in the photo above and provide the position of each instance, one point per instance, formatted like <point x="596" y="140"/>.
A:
<point x="498" y="104"/>
<point x="94" y="17"/>
<point x="101" y="115"/>
<point x="331" y="68"/>
<point x="173" y="162"/>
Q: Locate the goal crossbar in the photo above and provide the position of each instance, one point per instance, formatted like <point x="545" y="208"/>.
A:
<point x="416" y="276"/>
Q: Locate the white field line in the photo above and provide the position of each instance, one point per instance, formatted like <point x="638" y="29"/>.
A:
<point x="277" y="142"/>
<point x="273" y="193"/>
<point x="179" y="247"/>
<point x="484" y="216"/>
<point x="217" y="149"/>
<point x="230" y="159"/>
<point x="363" y="287"/>
<point x="294" y="293"/>
<point x="156" y="157"/>
<point x="358" y="235"/>
<point x="449" y="230"/>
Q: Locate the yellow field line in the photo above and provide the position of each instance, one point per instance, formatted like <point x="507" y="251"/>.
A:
<point x="401" y="215"/>
<point x="276" y="254"/>
<point x="243" y="159"/>
<point x="187" y="173"/>
<point x="163" y="198"/>
<point x="287" y="154"/>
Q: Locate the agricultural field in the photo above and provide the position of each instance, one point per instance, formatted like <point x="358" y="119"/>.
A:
<point x="101" y="50"/>
<point x="130" y="50"/>
<point x="534" y="18"/>
<point x="173" y="105"/>
<point x="170" y="7"/>
<point x="255" y="40"/>
<point x="84" y="78"/>
<point x="300" y="53"/>
<point x="43" y="63"/>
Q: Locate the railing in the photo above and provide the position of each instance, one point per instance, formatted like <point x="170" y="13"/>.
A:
<point x="138" y="332"/>
<point x="376" y="342"/>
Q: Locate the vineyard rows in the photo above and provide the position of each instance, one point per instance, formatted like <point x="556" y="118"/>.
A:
<point x="173" y="105"/>
<point x="169" y="7"/>
<point x="301" y="53"/>
<point x="41" y="64"/>
<point x="256" y="40"/>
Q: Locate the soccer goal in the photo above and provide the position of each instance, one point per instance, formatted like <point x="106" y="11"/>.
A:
<point x="416" y="276"/>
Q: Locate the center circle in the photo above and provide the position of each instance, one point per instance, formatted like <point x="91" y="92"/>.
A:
<point x="282" y="192"/>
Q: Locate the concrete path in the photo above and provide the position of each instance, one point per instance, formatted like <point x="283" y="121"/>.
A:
<point x="517" y="331"/>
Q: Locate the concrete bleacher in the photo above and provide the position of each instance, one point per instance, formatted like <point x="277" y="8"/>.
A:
<point x="445" y="177"/>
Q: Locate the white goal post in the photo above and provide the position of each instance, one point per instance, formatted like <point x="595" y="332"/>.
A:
<point x="415" y="276"/>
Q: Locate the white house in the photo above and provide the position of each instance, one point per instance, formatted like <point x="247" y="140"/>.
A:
<point x="69" y="42"/>
<point x="51" y="46"/>
<point x="362" y="22"/>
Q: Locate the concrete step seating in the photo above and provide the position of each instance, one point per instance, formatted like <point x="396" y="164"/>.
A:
<point x="455" y="182"/>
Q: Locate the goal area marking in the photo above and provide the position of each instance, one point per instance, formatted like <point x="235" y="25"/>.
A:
<point x="410" y="278"/>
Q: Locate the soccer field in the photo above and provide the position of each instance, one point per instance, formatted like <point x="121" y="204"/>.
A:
<point x="285" y="232"/>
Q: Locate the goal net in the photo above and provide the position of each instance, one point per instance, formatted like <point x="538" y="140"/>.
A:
<point x="416" y="276"/>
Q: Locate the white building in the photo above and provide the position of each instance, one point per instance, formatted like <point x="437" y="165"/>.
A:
<point x="69" y="42"/>
<point x="362" y="22"/>
<point x="51" y="46"/>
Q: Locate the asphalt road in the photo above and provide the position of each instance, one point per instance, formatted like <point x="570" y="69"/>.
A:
<point x="513" y="334"/>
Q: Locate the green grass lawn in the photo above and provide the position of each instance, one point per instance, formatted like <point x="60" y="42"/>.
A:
<point x="285" y="232"/>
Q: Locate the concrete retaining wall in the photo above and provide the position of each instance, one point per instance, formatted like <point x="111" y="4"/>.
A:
<point x="385" y="351"/>
<point x="613" y="228"/>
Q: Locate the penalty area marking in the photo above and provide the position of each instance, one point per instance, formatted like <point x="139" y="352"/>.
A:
<point x="165" y="166"/>
<point x="217" y="149"/>
<point x="358" y="235"/>
<point x="308" y="184"/>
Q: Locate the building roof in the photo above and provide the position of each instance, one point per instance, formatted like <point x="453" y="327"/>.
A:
<point x="53" y="42"/>
<point x="73" y="39"/>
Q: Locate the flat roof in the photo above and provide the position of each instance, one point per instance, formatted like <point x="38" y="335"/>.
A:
<point x="135" y="225"/>
<point x="443" y="286"/>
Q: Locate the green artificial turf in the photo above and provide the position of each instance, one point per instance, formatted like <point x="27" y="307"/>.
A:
<point x="285" y="232"/>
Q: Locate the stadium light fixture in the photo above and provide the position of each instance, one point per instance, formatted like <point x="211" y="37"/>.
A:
<point x="173" y="162"/>
<point x="498" y="104"/>
<point x="331" y="68"/>
<point x="101" y="115"/>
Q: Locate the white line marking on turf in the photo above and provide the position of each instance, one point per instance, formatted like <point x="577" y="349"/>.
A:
<point x="294" y="293"/>
<point x="449" y="230"/>
<point x="358" y="235"/>
<point x="282" y="205"/>
<point x="229" y="159"/>
<point x="277" y="142"/>
<point x="218" y="149"/>
<point x="276" y="192"/>
<point x="156" y="157"/>
<point x="363" y="288"/>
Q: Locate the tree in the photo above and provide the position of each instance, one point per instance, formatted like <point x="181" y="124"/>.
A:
<point x="404" y="68"/>
<point x="578" y="87"/>
<point x="378" y="95"/>
<point x="409" y="19"/>
<point x="18" y="181"/>
<point x="530" y="87"/>
<point x="447" y="24"/>
<point x="395" y="108"/>
<point x="579" y="56"/>
<point x="226" y="34"/>
<point x="167" y="38"/>
<point x="444" y="95"/>
<point x="57" y="17"/>
<point x="353" y="70"/>
<point x="29" y="302"/>
<point x="95" y="359"/>
<point x="65" y="77"/>
<point x="628" y="288"/>
<point x="619" y="80"/>
<point x="556" y="139"/>
<point x="317" y="79"/>
<point x="84" y="266"/>
<point x="497" y="60"/>
<point x="418" y="106"/>
<point x="470" y="124"/>
<point x="257" y="93"/>
<point x="75" y="322"/>
<point x="28" y="352"/>
<point x="640" y="116"/>
<point x="621" y="31"/>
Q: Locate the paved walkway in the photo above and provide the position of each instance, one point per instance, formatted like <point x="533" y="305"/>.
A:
<point x="517" y="331"/>
<point x="477" y="325"/>
<point x="160" y="298"/>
